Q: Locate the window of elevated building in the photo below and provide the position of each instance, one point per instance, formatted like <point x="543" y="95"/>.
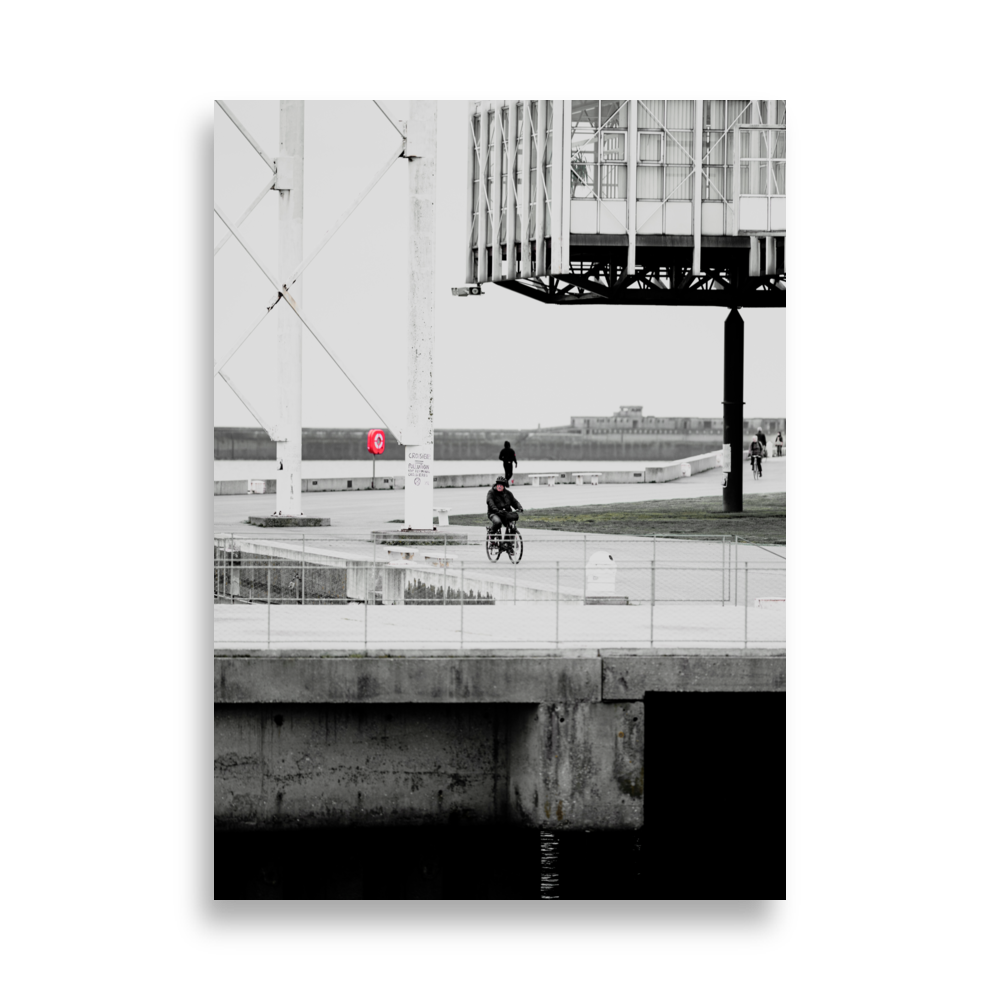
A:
<point x="665" y="157"/>
<point x="598" y="147"/>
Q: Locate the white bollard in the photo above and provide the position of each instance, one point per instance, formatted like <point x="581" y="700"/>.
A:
<point x="601" y="575"/>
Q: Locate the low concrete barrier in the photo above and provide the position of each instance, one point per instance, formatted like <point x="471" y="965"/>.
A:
<point x="389" y="581"/>
<point x="231" y="487"/>
<point x="684" y="467"/>
<point x="334" y="485"/>
<point x="473" y="479"/>
<point x="241" y="487"/>
<point x="652" y="474"/>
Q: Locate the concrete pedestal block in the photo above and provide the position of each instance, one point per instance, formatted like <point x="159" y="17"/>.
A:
<point x="579" y="766"/>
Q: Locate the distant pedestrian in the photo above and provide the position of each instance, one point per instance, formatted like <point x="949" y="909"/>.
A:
<point x="509" y="460"/>
<point x="779" y="442"/>
<point x="762" y="438"/>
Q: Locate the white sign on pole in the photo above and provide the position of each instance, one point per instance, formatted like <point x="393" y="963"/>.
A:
<point x="418" y="497"/>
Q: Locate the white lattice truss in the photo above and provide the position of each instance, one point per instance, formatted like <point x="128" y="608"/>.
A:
<point x="284" y="292"/>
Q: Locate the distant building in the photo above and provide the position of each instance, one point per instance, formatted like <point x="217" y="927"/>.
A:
<point x="630" y="420"/>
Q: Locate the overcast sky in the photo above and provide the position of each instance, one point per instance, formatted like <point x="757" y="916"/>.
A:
<point x="501" y="360"/>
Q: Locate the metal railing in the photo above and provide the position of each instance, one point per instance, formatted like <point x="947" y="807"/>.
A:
<point x="721" y="551"/>
<point x="346" y="593"/>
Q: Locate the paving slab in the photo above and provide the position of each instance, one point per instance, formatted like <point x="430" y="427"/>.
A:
<point x="540" y="624"/>
<point x="374" y="510"/>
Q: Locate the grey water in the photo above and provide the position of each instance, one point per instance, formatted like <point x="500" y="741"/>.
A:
<point x="550" y="857"/>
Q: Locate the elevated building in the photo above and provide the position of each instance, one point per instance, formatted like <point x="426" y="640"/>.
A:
<point x="644" y="201"/>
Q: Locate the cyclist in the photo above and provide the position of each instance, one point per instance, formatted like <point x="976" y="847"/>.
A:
<point x="501" y="506"/>
<point x="756" y="450"/>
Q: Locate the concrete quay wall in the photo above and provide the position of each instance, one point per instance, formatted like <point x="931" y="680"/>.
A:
<point x="540" y="739"/>
<point x="651" y="474"/>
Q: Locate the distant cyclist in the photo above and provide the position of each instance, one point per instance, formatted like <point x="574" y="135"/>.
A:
<point x="501" y="505"/>
<point x="756" y="451"/>
<point x="509" y="460"/>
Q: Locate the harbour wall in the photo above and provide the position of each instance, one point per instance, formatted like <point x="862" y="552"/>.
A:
<point x="344" y="444"/>
<point x="534" y="739"/>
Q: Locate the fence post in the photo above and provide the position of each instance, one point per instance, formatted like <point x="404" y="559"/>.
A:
<point x="369" y="584"/>
<point x="303" y="573"/>
<point x="652" y="598"/>
<point x="461" y="607"/>
<point x="746" y="600"/>
<point x="736" y="572"/>
<point x="585" y="569"/>
<point x="557" y="604"/>
<point x="269" y="603"/>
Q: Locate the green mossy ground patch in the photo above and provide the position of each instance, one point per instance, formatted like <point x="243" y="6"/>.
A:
<point x="762" y="520"/>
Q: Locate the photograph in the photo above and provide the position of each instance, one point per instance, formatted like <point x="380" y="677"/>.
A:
<point x="499" y="499"/>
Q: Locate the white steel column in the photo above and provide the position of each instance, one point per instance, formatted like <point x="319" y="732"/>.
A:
<point x="540" y="265"/>
<point x="566" y="191"/>
<point x="632" y="159"/>
<point x="291" y="126"/>
<point x="496" y="265"/>
<point x="556" y="194"/>
<point x="481" y="273"/>
<point x="699" y="155"/>
<point x="770" y="244"/>
<point x="510" y="268"/>
<point x="421" y="150"/>
<point x="470" y="274"/>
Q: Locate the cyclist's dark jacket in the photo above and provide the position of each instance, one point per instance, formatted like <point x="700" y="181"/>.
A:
<point x="501" y="503"/>
<point x="756" y="448"/>
<point x="507" y="456"/>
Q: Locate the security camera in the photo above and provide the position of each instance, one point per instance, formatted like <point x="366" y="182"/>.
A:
<point x="467" y="290"/>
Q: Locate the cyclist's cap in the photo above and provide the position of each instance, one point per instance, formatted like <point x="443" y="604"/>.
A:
<point x="500" y="479"/>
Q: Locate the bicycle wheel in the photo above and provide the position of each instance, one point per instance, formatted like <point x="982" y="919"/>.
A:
<point x="492" y="546"/>
<point x="516" y="547"/>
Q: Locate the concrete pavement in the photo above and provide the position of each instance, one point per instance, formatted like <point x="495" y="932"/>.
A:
<point x="361" y="512"/>
<point x="532" y="624"/>
<point x="692" y="571"/>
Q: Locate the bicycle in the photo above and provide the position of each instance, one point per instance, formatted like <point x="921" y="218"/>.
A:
<point x="755" y="466"/>
<point x="510" y="541"/>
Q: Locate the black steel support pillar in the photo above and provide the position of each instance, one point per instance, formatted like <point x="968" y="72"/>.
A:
<point x="732" y="412"/>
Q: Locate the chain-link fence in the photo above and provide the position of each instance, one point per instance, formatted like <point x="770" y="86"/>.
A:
<point x="351" y="593"/>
